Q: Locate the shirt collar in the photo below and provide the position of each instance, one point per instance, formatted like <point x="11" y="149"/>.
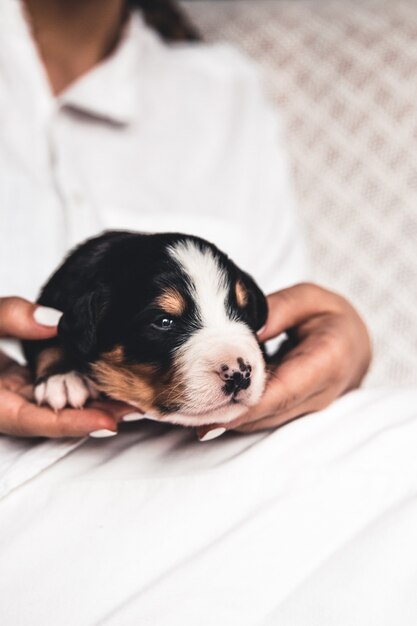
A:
<point x="111" y="90"/>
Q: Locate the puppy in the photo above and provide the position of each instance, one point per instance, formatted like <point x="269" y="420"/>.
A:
<point x="164" y="322"/>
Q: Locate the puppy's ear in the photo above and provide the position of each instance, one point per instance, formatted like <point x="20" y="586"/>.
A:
<point x="78" y="326"/>
<point x="251" y="301"/>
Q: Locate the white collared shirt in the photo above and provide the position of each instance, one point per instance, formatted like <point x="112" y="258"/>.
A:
<point x="157" y="137"/>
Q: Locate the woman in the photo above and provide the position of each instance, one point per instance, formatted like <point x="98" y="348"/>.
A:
<point x="161" y="139"/>
<point x="106" y="126"/>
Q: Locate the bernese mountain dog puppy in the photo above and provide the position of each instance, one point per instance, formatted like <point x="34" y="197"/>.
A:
<point x="165" y="322"/>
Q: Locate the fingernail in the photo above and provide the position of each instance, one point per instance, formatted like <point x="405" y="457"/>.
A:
<point x="104" y="432"/>
<point x="133" y="417"/>
<point x="46" y="316"/>
<point x="212" y="434"/>
<point x="261" y="330"/>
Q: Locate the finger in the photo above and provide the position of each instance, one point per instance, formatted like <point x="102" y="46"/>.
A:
<point x="304" y="374"/>
<point x="22" y="418"/>
<point x="293" y="306"/>
<point x="25" y="320"/>
<point x="117" y="409"/>
<point x="250" y="422"/>
<point x="312" y="405"/>
<point x="277" y="399"/>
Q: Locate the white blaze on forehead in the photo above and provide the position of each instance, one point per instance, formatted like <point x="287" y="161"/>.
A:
<point x="208" y="280"/>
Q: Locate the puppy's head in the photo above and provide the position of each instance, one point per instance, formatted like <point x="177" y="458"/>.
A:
<point x="171" y="329"/>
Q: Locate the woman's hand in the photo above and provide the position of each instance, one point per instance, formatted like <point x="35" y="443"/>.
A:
<point x="331" y="356"/>
<point x="19" y="416"/>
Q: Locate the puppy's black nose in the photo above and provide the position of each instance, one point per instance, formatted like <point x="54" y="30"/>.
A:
<point x="236" y="379"/>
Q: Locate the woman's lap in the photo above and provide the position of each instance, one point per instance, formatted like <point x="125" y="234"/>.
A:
<point x="155" y="527"/>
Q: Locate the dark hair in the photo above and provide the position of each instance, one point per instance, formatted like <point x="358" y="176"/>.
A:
<point x="167" y="18"/>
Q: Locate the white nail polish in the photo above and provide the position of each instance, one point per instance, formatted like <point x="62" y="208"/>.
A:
<point x="213" y="434"/>
<point x="104" y="432"/>
<point x="46" y="316"/>
<point x="133" y="417"/>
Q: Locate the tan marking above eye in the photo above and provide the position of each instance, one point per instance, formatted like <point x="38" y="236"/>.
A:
<point x="241" y="294"/>
<point x="171" y="301"/>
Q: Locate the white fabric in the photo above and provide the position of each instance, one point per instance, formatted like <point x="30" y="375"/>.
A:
<point x="311" y="525"/>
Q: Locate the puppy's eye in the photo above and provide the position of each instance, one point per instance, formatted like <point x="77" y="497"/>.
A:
<point x="163" y="323"/>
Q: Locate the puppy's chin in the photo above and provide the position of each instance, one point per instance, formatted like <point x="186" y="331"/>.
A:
<point x="220" y="415"/>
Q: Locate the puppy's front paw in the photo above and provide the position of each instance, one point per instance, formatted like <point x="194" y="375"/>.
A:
<point x="69" y="389"/>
